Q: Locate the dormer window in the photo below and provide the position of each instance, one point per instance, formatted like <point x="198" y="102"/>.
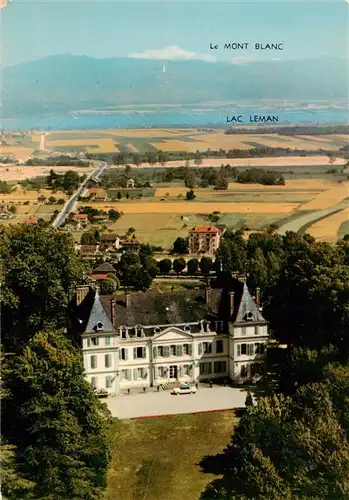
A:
<point x="99" y="326"/>
<point x="123" y="332"/>
<point x="248" y="316"/>
<point x="139" y="331"/>
<point x="157" y="329"/>
<point x="187" y="328"/>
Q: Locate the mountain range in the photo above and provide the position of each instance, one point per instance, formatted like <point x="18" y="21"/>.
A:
<point x="65" y="83"/>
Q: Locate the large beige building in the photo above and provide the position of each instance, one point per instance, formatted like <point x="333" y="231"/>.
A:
<point x="147" y="339"/>
<point x="204" y="239"/>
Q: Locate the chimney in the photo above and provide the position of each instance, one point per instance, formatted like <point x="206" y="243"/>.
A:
<point x="127" y="299"/>
<point x="81" y="292"/>
<point x="113" y="312"/>
<point x="208" y="293"/>
<point x="258" y="296"/>
<point x="231" y="297"/>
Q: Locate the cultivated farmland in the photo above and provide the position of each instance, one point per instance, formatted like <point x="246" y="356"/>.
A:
<point x="328" y="229"/>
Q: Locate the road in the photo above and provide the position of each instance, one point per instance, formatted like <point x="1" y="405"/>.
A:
<point x="71" y="203"/>
<point x="297" y="224"/>
<point x="164" y="403"/>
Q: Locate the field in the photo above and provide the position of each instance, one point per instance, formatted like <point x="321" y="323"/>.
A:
<point x="19" y="173"/>
<point x="158" y="458"/>
<point x="327" y="229"/>
<point x="143" y="140"/>
<point x="329" y="197"/>
<point x="20" y="194"/>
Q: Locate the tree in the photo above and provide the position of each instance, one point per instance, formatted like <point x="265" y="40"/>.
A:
<point x="61" y="448"/>
<point x="191" y="195"/>
<point x="88" y="238"/>
<point x="286" y="448"/>
<point x="190" y="179"/>
<point x="192" y="266"/>
<point x="71" y="180"/>
<point x="165" y="266"/>
<point x="41" y="272"/>
<point x="179" y="265"/>
<point x="13" y="484"/>
<point x="133" y="274"/>
<point x="108" y="286"/>
<point x="162" y="157"/>
<point x="206" y="265"/>
<point x="114" y="215"/>
<point x="197" y="158"/>
<point x="180" y="245"/>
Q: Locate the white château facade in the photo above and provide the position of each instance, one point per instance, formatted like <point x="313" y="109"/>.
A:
<point x="148" y="339"/>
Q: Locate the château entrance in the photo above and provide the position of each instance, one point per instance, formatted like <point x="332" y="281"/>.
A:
<point x="173" y="371"/>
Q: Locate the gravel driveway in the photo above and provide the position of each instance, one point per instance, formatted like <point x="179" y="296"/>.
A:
<point x="164" y="403"/>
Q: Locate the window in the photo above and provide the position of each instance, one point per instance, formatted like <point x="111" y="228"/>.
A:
<point x="166" y="351"/>
<point x="108" y="381"/>
<point x="243" y="372"/>
<point x="219" y="326"/>
<point x="93" y="360"/>
<point x="107" y="340"/>
<point x="99" y="326"/>
<point x="126" y="375"/>
<point x="107" y="360"/>
<point x="219" y="346"/>
<point x="161" y="371"/>
<point x="179" y="350"/>
<point x="139" y="352"/>
<point x="94" y="340"/>
<point x="243" y="349"/>
<point x="185" y="370"/>
<point x="139" y="373"/>
<point x="160" y="350"/>
<point x="207" y="347"/>
<point x="186" y="349"/>
<point x="172" y="350"/>
<point x="139" y="331"/>
<point x="250" y="349"/>
<point x="94" y="382"/>
<point x="123" y="354"/>
<point x="205" y="368"/>
<point x="220" y="366"/>
<point x="123" y="332"/>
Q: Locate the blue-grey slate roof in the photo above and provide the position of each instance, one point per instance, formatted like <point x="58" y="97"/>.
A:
<point x="98" y="315"/>
<point x="248" y="306"/>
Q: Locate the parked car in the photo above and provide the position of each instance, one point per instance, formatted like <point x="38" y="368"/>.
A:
<point x="184" y="389"/>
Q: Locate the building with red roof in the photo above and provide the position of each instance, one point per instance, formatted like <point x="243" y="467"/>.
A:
<point x="204" y="239"/>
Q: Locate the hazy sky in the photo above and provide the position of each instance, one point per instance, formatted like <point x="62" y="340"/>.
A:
<point x="172" y="30"/>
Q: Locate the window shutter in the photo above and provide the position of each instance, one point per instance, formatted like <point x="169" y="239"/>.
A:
<point x="126" y="354"/>
<point x="179" y="350"/>
<point x="120" y="353"/>
<point x="166" y="351"/>
<point x="190" y="350"/>
<point x="155" y="352"/>
<point x="238" y="350"/>
<point x="135" y="353"/>
<point x="144" y="352"/>
<point x="135" y="374"/>
<point x="180" y="371"/>
<point x="88" y="342"/>
<point x="200" y="348"/>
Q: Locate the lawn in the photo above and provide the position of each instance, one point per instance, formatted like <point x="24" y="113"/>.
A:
<point x="157" y="458"/>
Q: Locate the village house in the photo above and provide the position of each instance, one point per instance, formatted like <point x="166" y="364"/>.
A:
<point x="87" y="249"/>
<point x="100" y="218"/>
<point x="130" y="183"/>
<point x="148" y="339"/>
<point x="80" y="220"/>
<point x="109" y="242"/>
<point x="130" y="244"/>
<point x="97" y="194"/>
<point x="204" y="239"/>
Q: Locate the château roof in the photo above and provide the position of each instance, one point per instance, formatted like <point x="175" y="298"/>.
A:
<point x="247" y="309"/>
<point x="204" y="229"/>
<point x="106" y="267"/>
<point x="98" y="316"/>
